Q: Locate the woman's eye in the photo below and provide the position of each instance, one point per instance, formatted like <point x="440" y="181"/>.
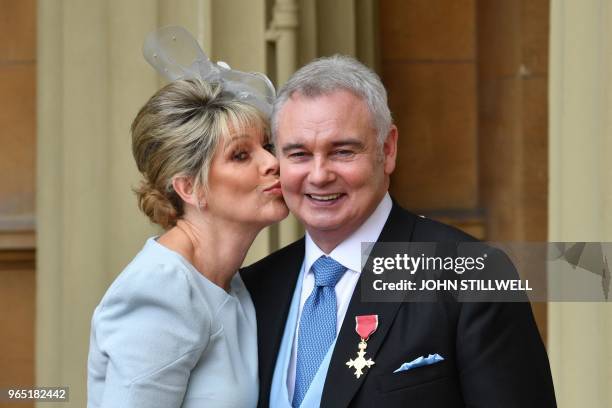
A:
<point x="269" y="147"/>
<point x="240" y="156"/>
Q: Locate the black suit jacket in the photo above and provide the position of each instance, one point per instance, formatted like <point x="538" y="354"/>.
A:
<point x="494" y="356"/>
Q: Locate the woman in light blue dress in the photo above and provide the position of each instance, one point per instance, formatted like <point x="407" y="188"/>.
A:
<point x="177" y="327"/>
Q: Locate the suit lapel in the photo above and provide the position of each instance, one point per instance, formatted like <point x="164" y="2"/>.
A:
<point x="273" y="296"/>
<point x="341" y="383"/>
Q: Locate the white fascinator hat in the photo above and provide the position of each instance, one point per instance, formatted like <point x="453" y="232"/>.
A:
<point x="175" y="54"/>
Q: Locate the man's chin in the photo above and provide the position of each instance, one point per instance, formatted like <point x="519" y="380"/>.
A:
<point x="314" y="227"/>
<point x="321" y="227"/>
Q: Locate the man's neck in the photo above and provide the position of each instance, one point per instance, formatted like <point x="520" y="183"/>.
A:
<point x="326" y="242"/>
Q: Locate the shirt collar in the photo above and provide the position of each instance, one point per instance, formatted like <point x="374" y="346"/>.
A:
<point x="348" y="252"/>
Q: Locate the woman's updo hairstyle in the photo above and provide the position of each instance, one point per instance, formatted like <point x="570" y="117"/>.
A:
<point x="176" y="133"/>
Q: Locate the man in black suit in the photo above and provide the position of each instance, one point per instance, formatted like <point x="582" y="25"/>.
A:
<point x="337" y="147"/>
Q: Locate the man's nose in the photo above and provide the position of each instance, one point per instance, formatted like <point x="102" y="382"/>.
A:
<point x="321" y="172"/>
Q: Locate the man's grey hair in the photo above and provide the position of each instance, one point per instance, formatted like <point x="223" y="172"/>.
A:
<point x="326" y="75"/>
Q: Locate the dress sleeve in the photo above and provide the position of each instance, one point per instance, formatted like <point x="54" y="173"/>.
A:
<point x="153" y="328"/>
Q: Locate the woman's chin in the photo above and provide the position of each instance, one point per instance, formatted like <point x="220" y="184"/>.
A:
<point x="281" y="213"/>
<point x="277" y="213"/>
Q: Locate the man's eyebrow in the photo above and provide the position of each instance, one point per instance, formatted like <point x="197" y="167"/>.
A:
<point x="338" y="143"/>
<point x="292" y="146"/>
<point x="348" y="142"/>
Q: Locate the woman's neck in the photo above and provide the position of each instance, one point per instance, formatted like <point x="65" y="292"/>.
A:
<point x="215" y="248"/>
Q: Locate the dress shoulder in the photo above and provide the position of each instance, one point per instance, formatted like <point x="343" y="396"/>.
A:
<point x="153" y="322"/>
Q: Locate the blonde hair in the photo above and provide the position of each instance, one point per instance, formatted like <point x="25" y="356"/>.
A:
<point x="176" y="133"/>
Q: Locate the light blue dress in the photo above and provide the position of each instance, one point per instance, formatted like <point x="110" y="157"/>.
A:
<point x="165" y="336"/>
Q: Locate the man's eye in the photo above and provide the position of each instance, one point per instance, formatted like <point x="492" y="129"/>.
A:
<point x="240" y="156"/>
<point x="297" y="155"/>
<point x="269" y="147"/>
<point x="344" y="152"/>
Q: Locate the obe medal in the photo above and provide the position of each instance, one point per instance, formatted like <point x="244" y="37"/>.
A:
<point x="364" y="326"/>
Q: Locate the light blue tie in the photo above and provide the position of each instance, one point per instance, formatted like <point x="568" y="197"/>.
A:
<point x="317" y="325"/>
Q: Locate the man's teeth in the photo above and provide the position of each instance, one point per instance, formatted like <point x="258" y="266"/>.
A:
<point x="325" y="197"/>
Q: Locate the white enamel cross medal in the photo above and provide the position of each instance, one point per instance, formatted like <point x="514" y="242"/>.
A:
<point x="365" y="326"/>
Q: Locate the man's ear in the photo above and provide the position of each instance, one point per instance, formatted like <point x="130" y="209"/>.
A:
<point x="185" y="188"/>
<point x="390" y="150"/>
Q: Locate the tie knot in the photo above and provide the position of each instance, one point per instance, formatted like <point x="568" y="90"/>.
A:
<point x="327" y="272"/>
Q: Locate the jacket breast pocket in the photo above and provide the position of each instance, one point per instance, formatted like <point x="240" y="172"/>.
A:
<point x="415" y="377"/>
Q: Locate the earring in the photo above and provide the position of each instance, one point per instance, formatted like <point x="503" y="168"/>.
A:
<point x="199" y="206"/>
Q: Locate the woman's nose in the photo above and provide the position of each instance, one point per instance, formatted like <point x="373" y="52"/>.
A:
<point x="270" y="164"/>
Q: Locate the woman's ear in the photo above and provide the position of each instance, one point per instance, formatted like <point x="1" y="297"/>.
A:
<point x="184" y="187"/>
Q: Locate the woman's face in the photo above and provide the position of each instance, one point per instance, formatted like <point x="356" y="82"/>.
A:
<point x="243" y="183"/>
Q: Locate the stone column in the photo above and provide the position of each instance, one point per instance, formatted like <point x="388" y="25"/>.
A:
<point x="580" y="199"/>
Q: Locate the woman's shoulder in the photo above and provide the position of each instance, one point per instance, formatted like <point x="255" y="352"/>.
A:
<point x="156" y="279"/>
<point x="150" y="323"/>
<point x="154" y="265"/>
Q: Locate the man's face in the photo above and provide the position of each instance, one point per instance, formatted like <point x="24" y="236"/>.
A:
<point x="332" y="171"/>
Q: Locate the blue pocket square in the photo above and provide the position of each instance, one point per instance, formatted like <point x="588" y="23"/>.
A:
<point x="419" y="362"/>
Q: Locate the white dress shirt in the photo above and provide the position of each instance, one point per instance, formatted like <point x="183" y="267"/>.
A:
<point x="348" y="253"/>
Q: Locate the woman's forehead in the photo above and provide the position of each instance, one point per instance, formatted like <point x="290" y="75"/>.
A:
<point x="241" y="133"/>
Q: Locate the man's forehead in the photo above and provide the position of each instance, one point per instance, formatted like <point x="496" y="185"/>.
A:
<point x="323" y="119"/>
<point x="322" y="111"/>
